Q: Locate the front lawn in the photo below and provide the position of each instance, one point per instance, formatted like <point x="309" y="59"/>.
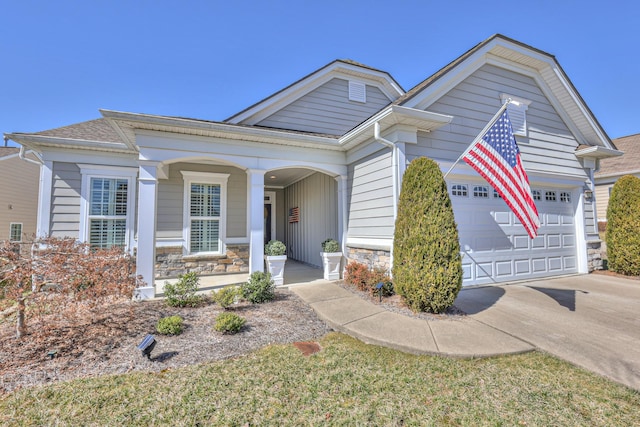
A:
<point x="346" y="383"/>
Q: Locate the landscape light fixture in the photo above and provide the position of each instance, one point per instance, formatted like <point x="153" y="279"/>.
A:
<point x="147" y="345"/>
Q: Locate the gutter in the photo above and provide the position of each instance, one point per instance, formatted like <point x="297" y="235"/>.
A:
<point x="39" y="162"/>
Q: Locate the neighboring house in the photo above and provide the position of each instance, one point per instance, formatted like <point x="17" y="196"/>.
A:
<point x="324" y="157"/>
<point x="18" y="195"/>
<point x="612" y="169"/>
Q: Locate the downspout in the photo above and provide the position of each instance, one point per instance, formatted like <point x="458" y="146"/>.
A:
<point x="39" y="162"/>
<point x="394" y="177"/>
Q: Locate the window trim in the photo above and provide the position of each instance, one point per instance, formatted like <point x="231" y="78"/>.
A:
<point x="462" y="188"/>
<point x="220" y="179"/>
<point x="11" y="239"/>
<point x="480" y="191"/>
<point x="110" y="172"/>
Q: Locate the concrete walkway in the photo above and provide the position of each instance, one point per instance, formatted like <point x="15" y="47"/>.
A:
<point x="588" y="320"/>
<point x="463" y="337"/>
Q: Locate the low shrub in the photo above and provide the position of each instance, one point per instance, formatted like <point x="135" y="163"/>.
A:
<point x="330" y="245"/>
<point x="229" y="323"/>
<point x="357" y="275"/>
<point x="183" y="292"/>
<point x="275" y="248"/>
<point x="226" y="296"/>
<point x="259" y="288"/>
<point x="361" y="277"/>
<point x="171" y="325"/>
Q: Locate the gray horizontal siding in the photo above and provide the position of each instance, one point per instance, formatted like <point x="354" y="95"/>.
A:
<point x="65" y="200"/>
<point x="370" y="198"/>
<point x="171" y="199"/>
<point x="327" y="109"/>
<point x="548" y="147"/>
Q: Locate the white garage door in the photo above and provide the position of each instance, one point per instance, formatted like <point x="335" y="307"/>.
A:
<point x="497" y="248"/>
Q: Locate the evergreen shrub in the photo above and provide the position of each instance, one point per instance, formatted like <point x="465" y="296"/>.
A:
<point x="259" y="288"/>
<point x="623" y="227"/>
<point x="226" y="296"/>
<point x="427" y="270"/>
<point x="171" y="325"/>
<point x="183" y="292"/>
<point x="229" y="323"/>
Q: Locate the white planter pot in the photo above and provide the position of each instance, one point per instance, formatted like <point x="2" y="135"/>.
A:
<point x="275" y="266"/>
<point x="331" y="262"/>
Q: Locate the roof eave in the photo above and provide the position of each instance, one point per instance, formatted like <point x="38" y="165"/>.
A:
<point x="219" y="130"/>
<point x="392" y="115"/>
<point x="38" y="142"/>
<point x="598" y="152"/>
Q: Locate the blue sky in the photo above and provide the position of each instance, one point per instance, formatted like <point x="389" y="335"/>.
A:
<point x="62" y="61"/>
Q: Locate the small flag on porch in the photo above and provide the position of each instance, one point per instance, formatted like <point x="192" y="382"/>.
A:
<point x="294" y="215"/>
<point x="495" y="155"/>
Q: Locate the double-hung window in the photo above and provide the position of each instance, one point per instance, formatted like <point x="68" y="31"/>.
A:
<point x="107" y="206"/>
<point x="204" y="212"/>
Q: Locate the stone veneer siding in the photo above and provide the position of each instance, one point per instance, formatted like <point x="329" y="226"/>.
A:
<point x="170" y="262"/>
<point x="595" y="250"/>
<point x="381" y="259"/>
<point x="373" y="258"/>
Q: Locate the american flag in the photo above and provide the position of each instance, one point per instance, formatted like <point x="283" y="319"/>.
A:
<point x="495" y="156"/>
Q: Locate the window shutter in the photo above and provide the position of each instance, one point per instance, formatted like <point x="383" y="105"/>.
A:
<point x="357" y="92"/>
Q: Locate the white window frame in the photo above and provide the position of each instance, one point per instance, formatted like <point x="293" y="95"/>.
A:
<point x="480" y="192"/>
<point x="11" y="225"/>
<point x="220" y="179"/>
<point x="109" y="172"/>
<point x="460" y="190"/>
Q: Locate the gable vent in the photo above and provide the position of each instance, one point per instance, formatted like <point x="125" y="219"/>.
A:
<point x="517" y="113"/>
<point x="357" y="92"/>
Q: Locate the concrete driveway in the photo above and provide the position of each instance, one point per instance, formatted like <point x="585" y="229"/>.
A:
<point x="592" y="321"/>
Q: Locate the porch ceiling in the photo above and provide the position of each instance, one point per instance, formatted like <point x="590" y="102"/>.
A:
<point x="282" y="178"/>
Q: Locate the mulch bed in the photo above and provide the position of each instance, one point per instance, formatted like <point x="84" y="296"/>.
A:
<point x="107" y="345"/>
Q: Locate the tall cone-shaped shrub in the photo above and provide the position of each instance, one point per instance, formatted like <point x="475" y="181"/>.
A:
<point x="427" y="268"/>
<point x="623" y="227"/>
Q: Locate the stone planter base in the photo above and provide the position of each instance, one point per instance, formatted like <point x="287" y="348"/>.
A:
<point x="275" y="266"/>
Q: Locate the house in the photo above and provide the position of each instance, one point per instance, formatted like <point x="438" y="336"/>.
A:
<point x="18" y="195"/>
<point x="324" y="157"/>
<point x="613" y="168"/>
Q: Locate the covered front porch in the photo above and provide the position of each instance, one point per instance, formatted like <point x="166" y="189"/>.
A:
<point x="295" y="274"/>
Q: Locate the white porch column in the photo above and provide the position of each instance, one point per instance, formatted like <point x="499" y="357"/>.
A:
<point x="342" y="211"/>
<point x="147" y="203"/>
<point x="44" y="200"/>
<point x="255" y="218"/>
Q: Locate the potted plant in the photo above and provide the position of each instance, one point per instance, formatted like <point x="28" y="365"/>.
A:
<point x="331" y="259"/>
<point x="275" y="256"/>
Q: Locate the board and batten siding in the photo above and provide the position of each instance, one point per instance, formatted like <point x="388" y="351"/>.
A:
<point x="370" y="198"/>
<point x="171" y="200"/>
<point x="316" y="198"/>
<point x="65" y="200"/>
<point x="327" y="109"/>
<point x="549" y="146"/>
<point x="19" y="196"/>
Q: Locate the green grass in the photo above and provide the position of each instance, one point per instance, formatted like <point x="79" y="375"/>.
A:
<point x="347" y="383"/>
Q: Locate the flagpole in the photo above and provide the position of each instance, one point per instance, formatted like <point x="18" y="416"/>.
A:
<point x="482" y="132"/>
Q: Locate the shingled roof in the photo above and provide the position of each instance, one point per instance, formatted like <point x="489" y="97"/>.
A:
<point x="629" y="163"/>
<point x="92" y="130"/>
<point x="7" y="151"/>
